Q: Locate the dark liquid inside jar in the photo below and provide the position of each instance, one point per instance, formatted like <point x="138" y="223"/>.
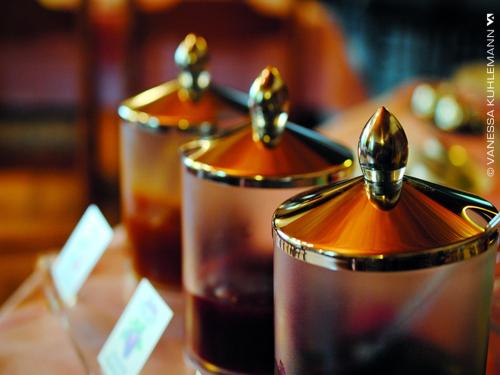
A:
<point x="153" y="227"/>
<point x="231" y="325"/>
<point x="364" y="356"/>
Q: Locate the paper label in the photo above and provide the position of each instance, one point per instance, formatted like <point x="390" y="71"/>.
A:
<point x="136" y="333"/>
<point x="80" y="254"/>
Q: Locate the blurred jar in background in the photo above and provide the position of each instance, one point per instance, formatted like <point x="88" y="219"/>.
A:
<point x="155" y="123"/>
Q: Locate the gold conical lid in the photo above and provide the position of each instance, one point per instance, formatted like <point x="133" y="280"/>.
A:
<point x="269" y="152"/>
<point x="190" y="102"/>
<point x="383" y="219"/>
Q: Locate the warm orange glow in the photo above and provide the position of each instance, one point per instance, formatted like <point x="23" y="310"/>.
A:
<point x="351" y="224"/>
<point x="240" y="155"/>
<point x="60" y="4"/>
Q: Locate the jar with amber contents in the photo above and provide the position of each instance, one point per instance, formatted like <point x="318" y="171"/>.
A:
<point x="155" y="123"/>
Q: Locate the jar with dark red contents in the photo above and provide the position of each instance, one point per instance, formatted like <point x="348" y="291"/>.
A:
<point x="155" y="123"/>
<point x="383" y="273"/>
<point x="231" y="186"/>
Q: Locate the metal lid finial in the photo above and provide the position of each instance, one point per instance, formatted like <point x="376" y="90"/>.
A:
<point x="269" y="104"/>
<point x="383" y="154"/>
<point x="191" y="56"/>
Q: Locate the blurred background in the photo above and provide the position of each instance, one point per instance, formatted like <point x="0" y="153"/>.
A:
<point x="65" y="65"/>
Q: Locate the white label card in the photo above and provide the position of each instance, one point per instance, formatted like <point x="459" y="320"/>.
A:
<point x="80" y="254"/>
<point x="136" y="333"/>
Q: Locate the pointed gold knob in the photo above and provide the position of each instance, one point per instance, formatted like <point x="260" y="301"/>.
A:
<point x="383" y="154"/>
<point x="269" y="104"/>
<point x="191" y="56"/>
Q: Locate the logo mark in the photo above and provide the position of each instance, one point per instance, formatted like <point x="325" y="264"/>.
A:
<point x="490" y="17"/>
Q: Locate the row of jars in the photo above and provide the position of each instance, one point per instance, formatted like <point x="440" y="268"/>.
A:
<point x="381" y="273"/>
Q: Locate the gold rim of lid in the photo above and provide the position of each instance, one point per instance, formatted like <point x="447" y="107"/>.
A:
<point x="268" y="103"/>
<point x="457" y="252"/>
<point x="383" y="154"/>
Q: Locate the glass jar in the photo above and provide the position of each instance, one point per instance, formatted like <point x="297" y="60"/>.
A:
<point x="155" y="123"/>
<point x="231" y="185"/>
<point x="383" y="273"/>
